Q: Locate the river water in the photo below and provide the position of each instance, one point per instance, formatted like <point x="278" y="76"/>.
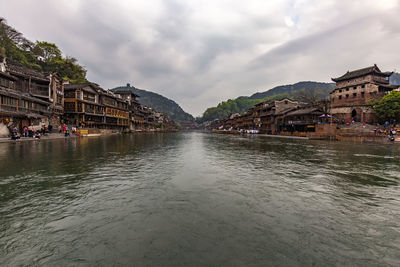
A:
<point x="198" y="199"/>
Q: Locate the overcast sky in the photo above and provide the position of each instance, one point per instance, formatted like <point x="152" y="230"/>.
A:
<point x="199" y="53"/>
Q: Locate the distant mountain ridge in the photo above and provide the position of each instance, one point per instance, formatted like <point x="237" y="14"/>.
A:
<point x="395" y="79"/>
<point x="322" y="88"/>
<point x="243" y="103"/>
<point x="159" y="103"/>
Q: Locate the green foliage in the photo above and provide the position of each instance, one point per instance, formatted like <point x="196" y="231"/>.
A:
<point x="48" y="51"/>
<point x="41" y="56"/>
<point x="67" y="68"/>
<point x="395" y="79"/>
<point x="388" y="107"/>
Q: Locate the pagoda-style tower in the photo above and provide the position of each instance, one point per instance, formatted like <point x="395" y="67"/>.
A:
<point x="354" y="92"/>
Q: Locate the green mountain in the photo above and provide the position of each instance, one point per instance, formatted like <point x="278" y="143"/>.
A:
<point x="159" y="103"/>
<point x="395" y="79"/>
<point x="303" y="91"/>
<point x="321" y="89"/>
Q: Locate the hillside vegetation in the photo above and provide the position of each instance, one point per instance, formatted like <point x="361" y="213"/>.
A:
<point x="395" y="79"/>
<point x="298" y="91"/>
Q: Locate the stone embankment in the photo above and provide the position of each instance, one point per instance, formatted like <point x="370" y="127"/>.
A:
<point x="356" y="132"/>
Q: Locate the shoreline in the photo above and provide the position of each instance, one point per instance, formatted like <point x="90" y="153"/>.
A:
<point x="54" y="136"/>
<point x="284" y="136"/>
<point x="382" y="140"/>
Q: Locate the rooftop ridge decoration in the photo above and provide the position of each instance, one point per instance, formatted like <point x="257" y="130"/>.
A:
<point x="362" y="72"/>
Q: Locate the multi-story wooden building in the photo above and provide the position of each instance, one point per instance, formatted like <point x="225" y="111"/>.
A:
<point x="82" y="105"/>
<point x="28" y="97"/>
<point x="141" y="116"/>
<point x="354" y="92"/>
<point x="136" y="114"/>
<point x="87" y="105"/>
<point x="271" y="114"/>
<point x="116" y="110"/>
<point x="302" y="119"/>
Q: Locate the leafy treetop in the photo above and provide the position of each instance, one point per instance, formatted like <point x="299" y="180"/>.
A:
<point x="388" y="107"/>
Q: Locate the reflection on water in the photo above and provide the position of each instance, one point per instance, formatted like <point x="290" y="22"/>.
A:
<point x="198" y="199"/>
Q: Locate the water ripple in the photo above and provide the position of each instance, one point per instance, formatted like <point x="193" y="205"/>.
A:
<point x="198" y="199"/>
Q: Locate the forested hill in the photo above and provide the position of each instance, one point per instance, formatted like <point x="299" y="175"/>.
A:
<point x="321" y="89"/>
<point x="316" y="90"/>
<point x="395" y="79"/>
<point x="160" y="103"/>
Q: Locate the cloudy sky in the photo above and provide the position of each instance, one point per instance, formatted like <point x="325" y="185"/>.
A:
<point x="199" y="53"/>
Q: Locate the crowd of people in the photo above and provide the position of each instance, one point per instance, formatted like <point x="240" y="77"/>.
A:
<point x="389" y="130"/>
<point x="31" y="132"/>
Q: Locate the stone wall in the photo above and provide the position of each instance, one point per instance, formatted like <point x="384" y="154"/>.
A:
<point x="363" y="114"/>
<point x="356" y="95"/>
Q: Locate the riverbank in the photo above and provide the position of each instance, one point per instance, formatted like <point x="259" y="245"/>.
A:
<point x="50" y="136"/>
<point x="355" y="133"/>
<point x="53" y="136"/>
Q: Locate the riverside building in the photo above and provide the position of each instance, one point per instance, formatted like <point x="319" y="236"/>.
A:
<point x="354" y="92"/>
<point x="28" y="97"/>
<point x="88" y="105"/>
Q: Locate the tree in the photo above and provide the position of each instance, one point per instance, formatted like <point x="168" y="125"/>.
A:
<point x="310" y="96"/>
<point x="388" y="107"/>
<point x="47" y="51"/>
<point x="13" y="35"/>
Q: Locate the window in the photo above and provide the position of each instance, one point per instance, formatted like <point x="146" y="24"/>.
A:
<point x="89" y="97"/>
<point x="42" y="107"/>
<point x="8" y="101"/>
<point x="23" y="104"/>
<point x="347" y="96"/>
<point x="69" y="106"/>
<point x="354" y="94"/>
<point x="362" y="94"/>
<point x="69" y="94"/>
<point x="340" y="97"/>
<point x="347" y="89"/>
<point x="340" y="90"/>
<point x="4" y="82"/>
<point x="363" y="86"/>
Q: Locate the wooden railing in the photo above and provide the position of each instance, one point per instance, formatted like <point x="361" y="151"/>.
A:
<point x="8" y="107"/>
<point x="40" y="90"/>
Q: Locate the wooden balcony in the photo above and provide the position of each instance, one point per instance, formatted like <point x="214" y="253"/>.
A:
<point x="8" y="107"/>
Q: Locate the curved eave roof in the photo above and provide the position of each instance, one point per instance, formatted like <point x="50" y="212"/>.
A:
<point x="361" y="72"/>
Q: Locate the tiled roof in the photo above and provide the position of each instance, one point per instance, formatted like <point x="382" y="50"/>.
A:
<point x="79" y="85"/>
<point x="310" y="110"/>
<point x="16" y="68"/>
<point x="360" y="72"/>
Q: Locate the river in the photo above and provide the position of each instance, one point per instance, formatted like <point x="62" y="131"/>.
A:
<point x="198" y="199"/>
